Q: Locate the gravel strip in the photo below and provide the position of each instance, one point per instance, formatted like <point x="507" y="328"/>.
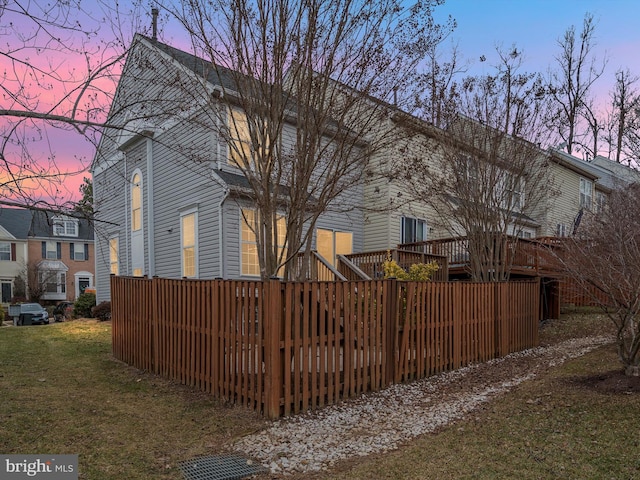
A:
<point x="380" y="421"/>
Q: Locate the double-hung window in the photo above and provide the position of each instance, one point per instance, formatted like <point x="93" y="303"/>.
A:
<point x="586" y="193"/>
<point x="51" y="250"/>
<point x="188" y="239"/>
<point x="79" y="251"/>
<point x="5" y="251"/>
<point x="249" y="245"/>
<point x="240" y="151"/>
<point x="113" y="256"/>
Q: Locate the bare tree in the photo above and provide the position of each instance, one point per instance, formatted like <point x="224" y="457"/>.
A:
<point x="603" y="260"/>
<point x="306" y="99"/>
<point x="571" y="85"/>
<point x="440" y="79"/>
<point x="487" y="174"/>
<point x="61" y="62"/>
<point x="624" y="119"/>
<point x="38" y="280"/>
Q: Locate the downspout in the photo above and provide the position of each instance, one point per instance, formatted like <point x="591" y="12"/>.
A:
<point x="150" y="215"/>
<point x="218" y="92"/>
<point x="127" y="229"/>
<point x="221" y="231"/>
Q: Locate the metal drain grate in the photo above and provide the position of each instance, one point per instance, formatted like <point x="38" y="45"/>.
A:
<point x="220" y="467"/>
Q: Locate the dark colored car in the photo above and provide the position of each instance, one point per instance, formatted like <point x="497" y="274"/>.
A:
<point x="59" y="313"/>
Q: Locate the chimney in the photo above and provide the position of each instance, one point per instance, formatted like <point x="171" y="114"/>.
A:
<point x="154" y="22"/>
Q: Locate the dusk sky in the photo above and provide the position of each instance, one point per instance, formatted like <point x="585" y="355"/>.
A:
<point x="534" y="26"/>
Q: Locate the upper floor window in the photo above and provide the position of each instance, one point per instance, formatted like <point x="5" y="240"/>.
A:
<point x="113" y="256"/>
<point x="240" y="146"/>
<point x="601" y="201"/>
<point x="412" y="230"/>
<point x="5" y="251"/>
<point x="586" y="193"/>
<point x="188" y="235"/>
<point x="136" y="202"/>
<point x="79" y="251"/>
<point x="513" y="192"/>
<point x="51" y="250"/>
<point x="65" y="227"/>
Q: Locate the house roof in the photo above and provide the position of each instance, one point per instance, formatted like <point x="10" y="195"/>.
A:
<point x="607" y="178"/>
<point x="215" y="74"/>
<point x="23" y="223"/>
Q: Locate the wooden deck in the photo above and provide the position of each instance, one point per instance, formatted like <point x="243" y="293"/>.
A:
<point x="529" y="257"/>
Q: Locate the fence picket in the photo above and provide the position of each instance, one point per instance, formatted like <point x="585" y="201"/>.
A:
<point x="282" y="348"/>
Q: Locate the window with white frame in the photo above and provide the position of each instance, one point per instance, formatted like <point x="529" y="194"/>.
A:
<point x="79" y="251"/>
<point x="5" y="251"/>
<point x="136" y="202"/>
<point x="51" y="250"/>
<point x="586" y="193"/>
<point x="412" y="230"/>
<point x="601" y="201"/>
<point x="240" y="145"/>
<point x="249" y="247"/>
<point x="248" y="244"/>
<point x="561" y="230"/>
<point x="65" y="227"/>
<point x="53" y="281"/>
<point x="514" y="192"/>
<point x="113" y="256"/>
<point x="188" y="240"/>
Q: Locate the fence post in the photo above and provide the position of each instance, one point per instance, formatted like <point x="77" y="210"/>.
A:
<point x="272" y="322"/>
<point x="390" y="314"/>
<point x="155" y="314"/>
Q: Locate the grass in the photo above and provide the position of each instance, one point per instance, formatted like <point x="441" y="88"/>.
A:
<point x="61" y="392"/>
<point x="554" y="426"/>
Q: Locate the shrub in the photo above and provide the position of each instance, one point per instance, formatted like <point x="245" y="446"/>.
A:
<point x="2" y="315"/>
<point x="84" y="304"/>
<point x="102" y="311"/>
<point x="418" y="272"/>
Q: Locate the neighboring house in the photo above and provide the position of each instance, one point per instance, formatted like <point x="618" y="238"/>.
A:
<point x="580" y="186"/>
<point x="169" y="198"/>
<point x="55" y="251"/>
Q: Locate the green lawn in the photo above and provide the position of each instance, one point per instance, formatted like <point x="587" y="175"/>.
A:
<point x="61" y="392"/>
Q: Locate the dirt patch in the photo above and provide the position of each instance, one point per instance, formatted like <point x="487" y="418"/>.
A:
<point x="614" y="381"/>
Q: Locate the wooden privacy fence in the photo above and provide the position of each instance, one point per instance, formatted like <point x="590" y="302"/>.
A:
<point x="282" y="348"/>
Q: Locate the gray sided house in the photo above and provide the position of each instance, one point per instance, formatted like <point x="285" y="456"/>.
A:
<point x="169" y="201"/>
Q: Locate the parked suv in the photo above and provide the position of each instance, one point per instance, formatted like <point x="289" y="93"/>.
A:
<point x="29" y="313"/>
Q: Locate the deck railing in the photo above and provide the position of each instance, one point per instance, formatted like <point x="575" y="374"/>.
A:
<point x="523" y="254"/>
<point x="372" y="263"/>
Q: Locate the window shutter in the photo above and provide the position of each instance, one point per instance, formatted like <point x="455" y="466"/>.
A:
<point x="59" y="250"/>
<point x="71" y="252"/>
<point x="44" y="249"/>
<point x="86" y="251"/>
<point x="13" y="252"/>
